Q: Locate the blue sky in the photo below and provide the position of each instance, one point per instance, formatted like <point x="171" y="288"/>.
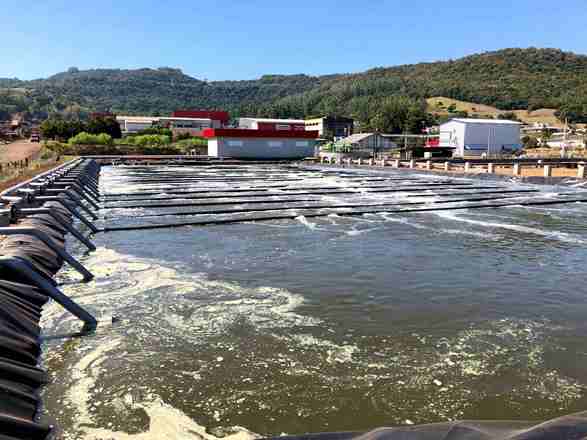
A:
<point x="232" y="39"/>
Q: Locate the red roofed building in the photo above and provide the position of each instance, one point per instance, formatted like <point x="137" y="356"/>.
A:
<point x="260" y="144"/>
<point x="219" y="118"/>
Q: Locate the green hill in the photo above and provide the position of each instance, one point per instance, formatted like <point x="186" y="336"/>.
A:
<point x="506" y="79"/>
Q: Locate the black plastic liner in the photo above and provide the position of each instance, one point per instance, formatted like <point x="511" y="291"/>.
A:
<point x="20" y="312"/>
<point x="572" y="427"/>
<point x="20" y="378"/>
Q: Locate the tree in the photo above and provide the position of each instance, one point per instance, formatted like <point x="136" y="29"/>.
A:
<point x="56" y="128"/>
<point x="529" y="142"/>
<point x="573" y="110"/>
<point x="510" y="116"/>
<point x="545" y="137"/>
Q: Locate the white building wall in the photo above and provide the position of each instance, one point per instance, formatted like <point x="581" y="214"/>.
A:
<point x="452" y="134"/>
<point x="261" y="148"/>
<point x="134" y="127"/>
<point x="248" y="123"/>
<point x="490" y="138"/>
<point x="475" y="139"/>
<point x="213" y="147"/>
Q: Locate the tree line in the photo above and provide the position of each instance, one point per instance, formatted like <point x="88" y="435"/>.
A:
<point x="507" y="79"/>
<point x="64" y="129"/>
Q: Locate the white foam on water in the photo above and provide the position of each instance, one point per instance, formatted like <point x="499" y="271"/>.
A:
<point x="556" y="235"/>
<point x="579" y="184"/>
<point x="434" y="229"/>
<point x="166" y="423"/>
<point x="213" y="305"/>
<point x="357" y="232"/>
<point x="335" y="353"/>
<point x="304" y="221"/>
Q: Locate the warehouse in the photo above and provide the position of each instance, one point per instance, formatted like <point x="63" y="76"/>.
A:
<point x="272" y="124"/>
<point x="331" y="127"/>
<point x="260" y="144"/>
<point x="478" y="137"/>
<point x="134" y="124"/>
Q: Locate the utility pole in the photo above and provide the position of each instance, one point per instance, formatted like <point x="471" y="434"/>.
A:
<point x="565" y="137"/>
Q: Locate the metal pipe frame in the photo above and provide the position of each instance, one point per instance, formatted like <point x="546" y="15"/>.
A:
<point x="23" y="230"/>
<point x="88" y="197"/>
<point x="26" y="212"/>
<point x="71" y="209"/>
<point x="23" y="268"/>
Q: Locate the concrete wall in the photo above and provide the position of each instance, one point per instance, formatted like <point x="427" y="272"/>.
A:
<point x="261" y="148"/>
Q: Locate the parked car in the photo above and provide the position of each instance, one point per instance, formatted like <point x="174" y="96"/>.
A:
<point x="35" y="138"/>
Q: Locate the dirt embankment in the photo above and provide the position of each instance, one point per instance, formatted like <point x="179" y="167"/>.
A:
<point x="29" y="174"/>
<point x="18" y="151"/>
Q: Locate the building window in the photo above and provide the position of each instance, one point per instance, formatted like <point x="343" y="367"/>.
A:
<point x="275" y="144"/>
<point x="235" y="143"/>
<point x="301" y="143"/>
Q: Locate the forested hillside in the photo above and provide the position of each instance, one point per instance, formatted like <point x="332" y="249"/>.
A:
<point x="507" y="79"/>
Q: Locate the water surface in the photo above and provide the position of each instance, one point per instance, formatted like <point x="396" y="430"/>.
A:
<point x="321" y="324"/>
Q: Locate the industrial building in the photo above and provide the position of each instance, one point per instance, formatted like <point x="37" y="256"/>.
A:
<point x="373" y="142"/>
<point x="219" y="119"/>
<point x="192" y="126"/>
<point x="134" y="124"/>
<point x="331" y="126"/>
<point x="272" y="124"/>
<point x="260" y="144"/>
<point x="476" y="137"/>
<point x="178" y="125"/>
<point x="180" y="121"/>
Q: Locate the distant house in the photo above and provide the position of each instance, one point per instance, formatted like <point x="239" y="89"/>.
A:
<point x="178" y="125"/>
<point x="260" y="144"/>
<point x="366" y="141"/>
<point x="192" y="126"/>
<point x="268" y="124"/>
<point x="335" y="126"/>
<point x="475" y="137"/>
<point x="134" y="124"/>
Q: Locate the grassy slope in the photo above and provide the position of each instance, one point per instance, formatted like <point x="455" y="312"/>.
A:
<point x="545" y="115"/>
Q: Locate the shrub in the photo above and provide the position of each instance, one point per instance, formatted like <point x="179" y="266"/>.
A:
<point x="182" y="136"/>
<point x="192" y="142"/>
<point x="155" y="130"/>
<point x="84" y="138"/>
<point x="152" y="140"/>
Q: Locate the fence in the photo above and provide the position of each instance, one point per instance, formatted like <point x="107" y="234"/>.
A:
<point x="11" y="170"/>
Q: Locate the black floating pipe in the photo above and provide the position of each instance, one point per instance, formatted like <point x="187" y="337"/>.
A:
<point x="342" y="214"/>
<point x="436" y="194"/>
<point x="250" y="202"/>
<point x="174" y="190"/>
<point x="339" y="206"/>
<point x="369" y="190"/>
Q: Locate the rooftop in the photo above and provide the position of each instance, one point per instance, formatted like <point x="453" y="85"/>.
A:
<point x="485" y="121"/>
<point x="217" y="115"/>
<point x="248" y="133"/>
<point x="138" y="119"/>
<point x="185" y="119"/>
<point x="277" y="121"/>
